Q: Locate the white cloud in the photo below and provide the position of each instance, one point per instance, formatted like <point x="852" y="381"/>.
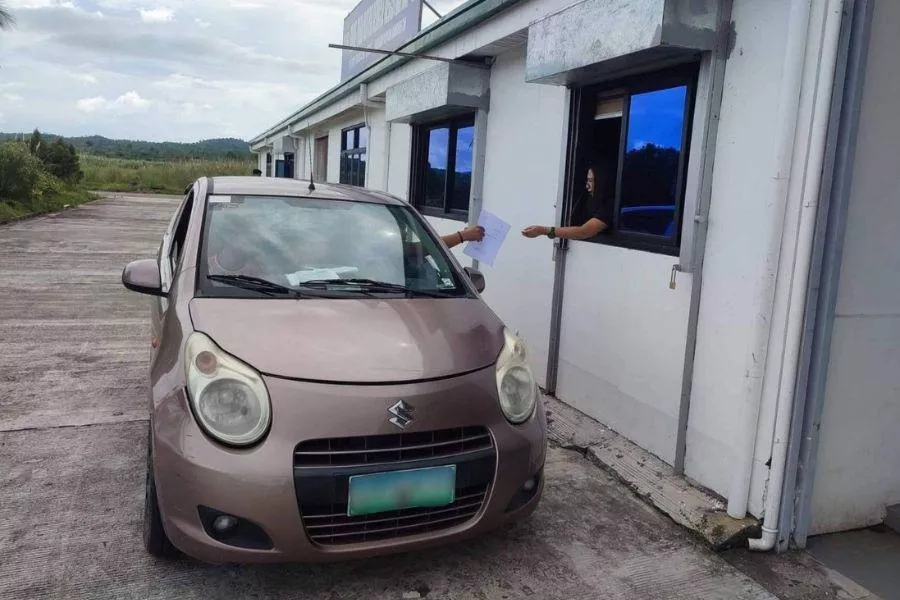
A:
<point x="127" y="102"/>
<point x="132" y="100"/>
<point x="157" y="15"/>
<point x="13" y="98"/>
<point x="90" y="105"/>
<point x="73" y="68"/>
<point x="14" y="4"/>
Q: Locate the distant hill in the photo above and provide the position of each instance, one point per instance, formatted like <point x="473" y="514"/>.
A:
<point x="100" y="146"/>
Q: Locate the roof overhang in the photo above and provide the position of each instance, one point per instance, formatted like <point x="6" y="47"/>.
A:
<point x="441" y="91"/>
<point x="598" y="39"/>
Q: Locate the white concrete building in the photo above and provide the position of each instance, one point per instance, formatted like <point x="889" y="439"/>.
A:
<point x="741" y="317"/>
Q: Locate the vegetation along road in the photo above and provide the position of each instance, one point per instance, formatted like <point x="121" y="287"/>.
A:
<point x="45" y="173"/>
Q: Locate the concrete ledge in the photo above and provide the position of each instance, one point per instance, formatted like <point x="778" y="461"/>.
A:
<point x="892" y="519"/>
<point x="649" y="477"/>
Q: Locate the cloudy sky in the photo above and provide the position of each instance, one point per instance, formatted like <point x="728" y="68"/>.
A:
<point x="179" y="70"/>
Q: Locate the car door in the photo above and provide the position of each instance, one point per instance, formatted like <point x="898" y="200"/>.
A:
<point x="169" y="260"/>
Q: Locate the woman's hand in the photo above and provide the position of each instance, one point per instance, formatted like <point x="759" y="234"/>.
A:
<point x="533" y="231"/>
<point x="474" y="233"/>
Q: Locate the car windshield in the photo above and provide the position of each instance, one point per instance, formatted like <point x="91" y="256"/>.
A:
<point x="270" y="247"/>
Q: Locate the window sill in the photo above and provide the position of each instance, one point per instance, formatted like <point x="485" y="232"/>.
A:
<point x="641" y="245"/>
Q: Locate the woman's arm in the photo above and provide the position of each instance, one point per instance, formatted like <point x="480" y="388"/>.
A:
<point x="589" y="229"/>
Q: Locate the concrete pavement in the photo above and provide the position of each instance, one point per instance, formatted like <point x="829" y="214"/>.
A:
<point x="73" y="354"/>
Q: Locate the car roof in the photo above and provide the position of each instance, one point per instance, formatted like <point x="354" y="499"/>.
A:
<point x="278" y="186"/>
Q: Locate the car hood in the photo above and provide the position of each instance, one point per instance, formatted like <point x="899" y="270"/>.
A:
<point x="354" y="341"/>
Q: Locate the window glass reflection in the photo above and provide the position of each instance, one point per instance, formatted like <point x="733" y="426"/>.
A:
<point x="362" y="140"/>
<point x="436" y="174"/>
<point x="462" y="180"/>
<point x="649" y="189"/>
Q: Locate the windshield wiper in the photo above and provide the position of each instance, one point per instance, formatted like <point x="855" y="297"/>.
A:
<point x="257" y="284"/>
<point x="373" y="285"/>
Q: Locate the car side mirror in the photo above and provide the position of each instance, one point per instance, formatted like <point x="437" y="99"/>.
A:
<point x="142" y="276"/>
<point x="476" y="278"/>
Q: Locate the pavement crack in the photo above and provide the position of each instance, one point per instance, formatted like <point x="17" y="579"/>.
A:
<point x="78" y="426"/>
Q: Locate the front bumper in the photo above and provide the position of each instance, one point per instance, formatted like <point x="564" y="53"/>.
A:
<point x="263" y="486"/>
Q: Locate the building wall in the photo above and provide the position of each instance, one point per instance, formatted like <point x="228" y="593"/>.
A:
<point x="521" y="184"/>
<point x="401" y="152"/>
<point x="738" y="285"/>
<point x="375" y="154"/>
<point x="858" y="469"/>
<point x="633" y="379"/>
<point x="261" y="161"/>
<point x="623" y="340"/>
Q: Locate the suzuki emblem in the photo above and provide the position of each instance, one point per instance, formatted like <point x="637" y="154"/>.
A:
<point x="402" y="414"/>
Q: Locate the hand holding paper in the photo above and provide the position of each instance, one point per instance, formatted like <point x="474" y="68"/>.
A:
<point x="495" y="231"/>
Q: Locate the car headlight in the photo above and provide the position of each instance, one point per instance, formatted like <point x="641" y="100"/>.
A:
<point x="229" y="398"/>
<point x="515" y="383"/>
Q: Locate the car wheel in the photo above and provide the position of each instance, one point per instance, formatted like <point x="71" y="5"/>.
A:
<point x="155" y="539"/>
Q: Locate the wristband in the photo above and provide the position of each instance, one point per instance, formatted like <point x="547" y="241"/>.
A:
<point x="461" y="240"/>
<point x="552" y="233"/>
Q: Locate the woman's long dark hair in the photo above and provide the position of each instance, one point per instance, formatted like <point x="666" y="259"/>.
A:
<point x="604" y="168"/>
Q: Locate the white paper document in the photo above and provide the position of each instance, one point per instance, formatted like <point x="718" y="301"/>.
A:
<point x="316" y="274"/>
<point x="495" y="231"/>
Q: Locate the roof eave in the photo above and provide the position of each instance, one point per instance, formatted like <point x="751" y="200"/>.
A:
<point x="454" y="23"/>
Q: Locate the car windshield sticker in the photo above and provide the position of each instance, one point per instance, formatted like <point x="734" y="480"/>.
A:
<point x="219" y="199"/>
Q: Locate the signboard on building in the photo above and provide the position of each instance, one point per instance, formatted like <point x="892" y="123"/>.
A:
<point x="380" y="24"/>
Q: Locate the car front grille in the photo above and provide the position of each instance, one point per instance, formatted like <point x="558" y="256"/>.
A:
<point x="322" y="471"/>
<point x="386" y="449"/>
<point x="338" y="528"/>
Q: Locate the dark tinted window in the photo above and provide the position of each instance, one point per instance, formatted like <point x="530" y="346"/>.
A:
<point x="353" y="155"/>
<point x="438" y="159"/>
<point x="650" y="171"/>
<point x="631" y="139"/>
<point x="462" y="179"/>
<point x="442" y="168"/>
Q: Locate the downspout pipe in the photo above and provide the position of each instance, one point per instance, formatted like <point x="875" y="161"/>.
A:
<point x="799" y="273"/>
<point x="387" y="155"/>
<point x="786" y="123"/>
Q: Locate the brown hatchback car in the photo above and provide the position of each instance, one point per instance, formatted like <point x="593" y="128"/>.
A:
<point x="326" y="382"/>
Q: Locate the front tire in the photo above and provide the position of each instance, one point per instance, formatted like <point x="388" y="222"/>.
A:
<point x="156" y="541"/>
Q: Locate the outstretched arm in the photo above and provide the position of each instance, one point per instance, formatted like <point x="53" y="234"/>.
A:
<point x="472" y="233"/>
<point x="592" y="227"/>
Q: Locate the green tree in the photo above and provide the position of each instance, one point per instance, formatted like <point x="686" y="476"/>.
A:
<point x="61" y="160"/>
<point x="35" y="143"/>
<point x="6" y="18"/>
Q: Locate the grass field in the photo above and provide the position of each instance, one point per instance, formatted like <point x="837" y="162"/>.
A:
<point x="164" y="177"/>
<point x="59" y="199"/>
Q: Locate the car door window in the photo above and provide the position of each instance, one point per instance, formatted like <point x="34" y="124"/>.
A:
<point x="179" y="235"/>
<point x="172" y="245"/>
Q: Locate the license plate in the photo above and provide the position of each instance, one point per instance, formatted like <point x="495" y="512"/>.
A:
<point x="398" y="490"/>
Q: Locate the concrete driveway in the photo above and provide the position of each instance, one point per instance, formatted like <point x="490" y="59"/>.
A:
<point x="73" y="352"/>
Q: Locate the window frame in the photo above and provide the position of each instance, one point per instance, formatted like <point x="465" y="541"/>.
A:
<point x="359" y="152"/>
<point x="583" y="106"/>
<point x="419" y="166"/>
<point x="181" y="229"/>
